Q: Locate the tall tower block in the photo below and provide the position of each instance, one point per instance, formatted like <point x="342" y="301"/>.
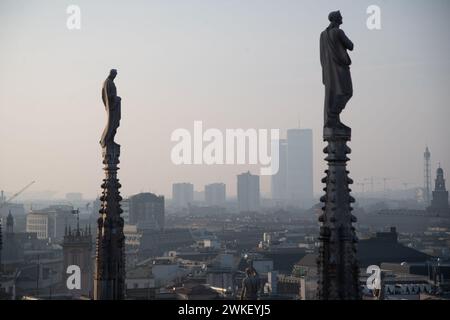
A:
<point x="427" y="176"/>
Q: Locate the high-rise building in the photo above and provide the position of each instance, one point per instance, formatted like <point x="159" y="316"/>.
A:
<point x="300" y="168"/>
<point x="279" y="180"/>
<point x="248" y="192"/>
<point x="182" y="194"/>
<point x="439" y="203"/>
<point x="215" y="194"/>
<point x="146" y="210"/>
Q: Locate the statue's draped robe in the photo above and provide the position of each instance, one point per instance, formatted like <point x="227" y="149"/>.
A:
<point x="335" y="71"/>
<point x="112" y="105"/>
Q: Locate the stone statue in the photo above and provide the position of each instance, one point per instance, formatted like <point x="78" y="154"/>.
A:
<point x="335" y="73"/>
<point x="112" y="105"/>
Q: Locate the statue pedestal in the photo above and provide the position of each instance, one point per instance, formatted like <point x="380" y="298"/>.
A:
<point x="338" y="270"/>
<point x="109" y="281"/>
<point x="333" y="133"/>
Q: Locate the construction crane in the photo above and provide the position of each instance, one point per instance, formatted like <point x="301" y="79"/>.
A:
<point x="15" y="195"/>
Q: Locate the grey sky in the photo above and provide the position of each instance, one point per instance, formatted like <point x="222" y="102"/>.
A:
<point x="231" y="64"/>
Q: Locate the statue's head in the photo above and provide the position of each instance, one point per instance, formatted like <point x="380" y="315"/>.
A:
<point x="113" y="74"/>
<point x="335" y="17"/>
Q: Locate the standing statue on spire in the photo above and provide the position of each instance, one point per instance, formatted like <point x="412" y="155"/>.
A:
<point x="112" y="104"/>
<point x="109" y="281"/>
<point x="335" y="72"/>
<point x="337" y="265"/>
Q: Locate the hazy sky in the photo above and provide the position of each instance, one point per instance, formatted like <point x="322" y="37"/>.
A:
<point x="229" y="63"/>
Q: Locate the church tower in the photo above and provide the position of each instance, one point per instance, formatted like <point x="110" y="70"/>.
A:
<point x="77" y="250"/>
<point x="439" y="202"/>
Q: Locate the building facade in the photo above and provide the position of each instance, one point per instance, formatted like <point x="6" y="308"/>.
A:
<point x="50" y="223"/>
<point x="39" y="223"/>
<point x="248" y="192"/>
<point x="146" y="210"/>
<point x="77" y="251"/>
<point x="182" y="194"/>
<point x="299" y="168"/>
<point x="279" y="180"/>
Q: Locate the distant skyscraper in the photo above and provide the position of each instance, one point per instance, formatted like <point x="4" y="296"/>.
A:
<point x="439" y="203"/>
<point x="300" y="167"/>
<point x="147" y="211"/>
<point x="427" y="176"/>
<point x="182" y="194"/>
<point x="279" y="180"/>
<point x="215" y="194"/>
<point x="248" y="192"/>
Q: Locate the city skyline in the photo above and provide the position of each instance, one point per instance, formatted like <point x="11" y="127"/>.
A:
<point x="256" y="75"/>
<point x="253" y="150"/>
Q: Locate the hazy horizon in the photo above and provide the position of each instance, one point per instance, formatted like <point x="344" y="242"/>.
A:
<point x="231" y="64"/>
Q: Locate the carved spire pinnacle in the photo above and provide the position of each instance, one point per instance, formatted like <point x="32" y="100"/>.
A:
<point x="109" y="282"/>
<point x="338" y="271"/>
